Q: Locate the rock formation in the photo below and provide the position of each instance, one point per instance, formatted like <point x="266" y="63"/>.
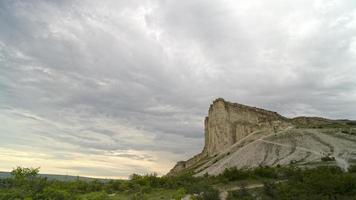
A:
<point x="244" y="136"/>
<point x="228" y="123"/>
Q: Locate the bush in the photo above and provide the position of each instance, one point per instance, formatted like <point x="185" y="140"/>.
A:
<point x="24" y="173"/>
<point x="269" y="189"/>
<point x="55" y="194"/>
<point x="13" y="194"/>
<point x="209" y="194"/>
<point x="327" y="158"/>
<point x="242" y="194"/>
<point x="351" y="123"/>
<point x="150" y="180"/>
<point x="234" y="174"/>
<point x="352" y="169"/>
<point x="138" y="196"/>
<point x="6" y="183"/>
<point x="95" y="196"/>
<point x="318" y="183"/>
<point x="114" y="186"/>
<point x="179" y="194"/>
<point x="265" y="172"/>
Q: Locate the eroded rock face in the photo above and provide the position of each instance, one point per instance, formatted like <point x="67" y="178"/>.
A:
<point x="242" y="136"/>
<point x="228" y="122"/>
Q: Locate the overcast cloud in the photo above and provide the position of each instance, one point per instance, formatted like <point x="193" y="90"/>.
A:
<point x="109" y="88"/>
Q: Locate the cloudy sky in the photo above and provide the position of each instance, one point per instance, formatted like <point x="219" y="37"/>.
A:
<point x="112" y="88"/>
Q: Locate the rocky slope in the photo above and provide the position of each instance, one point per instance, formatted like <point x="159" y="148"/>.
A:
<point x="244" y="136"/>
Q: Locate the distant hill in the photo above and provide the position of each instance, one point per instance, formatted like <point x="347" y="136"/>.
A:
<point x="241" y="136"/>
<point x="57" y="177"/>
<point x="5" y="175"/>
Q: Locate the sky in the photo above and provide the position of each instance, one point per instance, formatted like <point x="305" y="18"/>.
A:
<point x="110" y="88"/>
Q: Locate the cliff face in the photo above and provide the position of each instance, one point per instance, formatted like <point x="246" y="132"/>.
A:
<point x="242" y="136"/>
<point x="228" y="123"/>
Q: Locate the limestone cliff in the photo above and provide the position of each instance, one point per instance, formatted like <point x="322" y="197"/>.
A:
<point x="228" y="123"/>
<point x="240" y="135"/>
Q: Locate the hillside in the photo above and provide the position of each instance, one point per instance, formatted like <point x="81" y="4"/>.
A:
<point x="244" y="137"/>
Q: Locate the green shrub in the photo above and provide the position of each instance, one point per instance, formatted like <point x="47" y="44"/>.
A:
<point x="269" y="189"/>
<point x="55" y="194"/>
<point x="234" y="174"/>
<point x="351" y="123"/>
<point x="95" y="196"/>
<point x="241" y="194"/>
<point x="327" y="158"/>
<point x="318" y="183"/>
<point x="6" y="183"/>
<point x="265" y="172"/>
<point x="352" y="169"/>
<point x="181" y="192"/>
<point x="24" y="173"/>
<point x="12" y="194"/>
<point x="209" y="194"/>
<point x="138" y="196"/>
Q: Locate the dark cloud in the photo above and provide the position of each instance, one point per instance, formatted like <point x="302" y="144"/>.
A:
<point x="140" y="75"/>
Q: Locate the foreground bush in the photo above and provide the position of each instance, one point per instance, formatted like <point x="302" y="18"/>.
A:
<point x="319" y="183"/>
<point x="209" y="194"/>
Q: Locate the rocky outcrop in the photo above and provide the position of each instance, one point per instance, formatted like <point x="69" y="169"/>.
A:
<point x="243" y="136"/>
<point x="228" y="123"/>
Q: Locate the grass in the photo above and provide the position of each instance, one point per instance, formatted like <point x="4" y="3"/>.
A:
<point x="155" y="194"/>
<point x="233" y="184"/>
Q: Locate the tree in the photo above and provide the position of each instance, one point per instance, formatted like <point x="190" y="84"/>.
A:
<point x="21" y="173"/>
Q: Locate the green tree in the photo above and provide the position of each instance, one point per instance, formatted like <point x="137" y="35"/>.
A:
<point x="24" y="173"/>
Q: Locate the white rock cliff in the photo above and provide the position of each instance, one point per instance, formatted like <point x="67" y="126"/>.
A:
<point x="242" y="136"/>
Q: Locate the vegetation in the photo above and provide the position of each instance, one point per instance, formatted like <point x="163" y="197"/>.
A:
<point x="328" y="158"/>
<point x="319" y="183"/>
<point x="270" y="183"/>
